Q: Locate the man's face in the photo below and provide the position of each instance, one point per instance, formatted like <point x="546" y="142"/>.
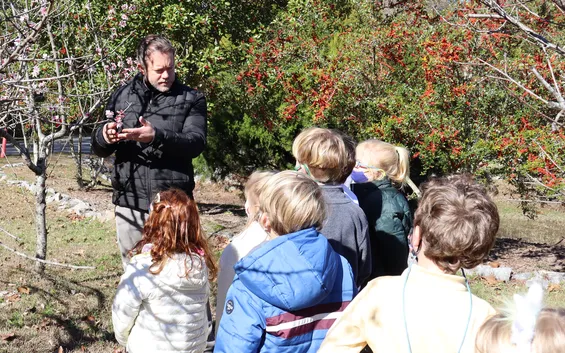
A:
<point x="160" y="71"/>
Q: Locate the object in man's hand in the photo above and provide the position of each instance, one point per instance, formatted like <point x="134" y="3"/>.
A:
<point x="119" y="119"/>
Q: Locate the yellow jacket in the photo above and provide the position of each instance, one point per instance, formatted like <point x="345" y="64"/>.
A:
<point x="437" y="312"/>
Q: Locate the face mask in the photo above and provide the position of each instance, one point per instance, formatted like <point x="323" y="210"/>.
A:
<point x="359" y="177"/>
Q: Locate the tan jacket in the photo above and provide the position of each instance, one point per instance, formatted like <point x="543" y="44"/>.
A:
<point x="437" y="312"/>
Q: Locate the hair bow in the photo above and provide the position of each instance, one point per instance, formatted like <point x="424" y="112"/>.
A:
<point x="527" y="309"/>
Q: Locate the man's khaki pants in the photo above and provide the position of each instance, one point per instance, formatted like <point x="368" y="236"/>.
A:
<point x="129" y="226"/>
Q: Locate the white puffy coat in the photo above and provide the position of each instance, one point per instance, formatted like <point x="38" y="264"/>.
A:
<point x="164" y="312"/>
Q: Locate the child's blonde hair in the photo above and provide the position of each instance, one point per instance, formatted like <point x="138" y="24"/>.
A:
<point x="174" y="227"/>
<point x="293" y="202"/>
<point x="549" y="333"/>
<point x="393" y="160"/>
<point x="252" y="189"/>
<point x="329" y="155"/>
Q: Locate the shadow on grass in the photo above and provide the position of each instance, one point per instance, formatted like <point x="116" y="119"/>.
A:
<point x="80" y="324"/>
<point x="211" y="209"/>
<point x="520" y="250"/>
<point x="80" y="336"/>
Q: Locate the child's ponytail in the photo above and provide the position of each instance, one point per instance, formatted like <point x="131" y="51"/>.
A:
<point x="393" y="160"/>
<point x="401" y="171"/>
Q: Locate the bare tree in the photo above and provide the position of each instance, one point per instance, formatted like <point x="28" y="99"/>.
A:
<point x="535" y="74"/>
<point x="54" y="75"/>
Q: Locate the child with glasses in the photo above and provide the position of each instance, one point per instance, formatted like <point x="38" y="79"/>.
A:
<point x="380" y="165"/>
<point x="328" y="157"/>
<point x="252" y="237"/>
<point x="288" y="292"/>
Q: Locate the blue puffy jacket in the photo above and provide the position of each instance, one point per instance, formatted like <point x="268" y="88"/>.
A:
<point x="285" y="296"/>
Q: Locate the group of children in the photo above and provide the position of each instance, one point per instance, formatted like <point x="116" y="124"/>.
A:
<point x="322" y="265"/>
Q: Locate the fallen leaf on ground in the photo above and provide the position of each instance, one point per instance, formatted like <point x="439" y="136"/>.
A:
<point x="491" y="280"/>
<point x="13" y="298"/>
<point x="494" y="264"/>
<point x="89" y="318"/>
<point x="44" y="323"/>
<point x="8" y="336"/>
<point x="553" y="287"/>
<point x="23" y="290"/>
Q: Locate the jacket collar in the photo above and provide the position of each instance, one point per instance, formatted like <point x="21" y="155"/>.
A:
<point x="425" y="278"/>
<point x="382" y="183"/>
<point x="334" y="194"/>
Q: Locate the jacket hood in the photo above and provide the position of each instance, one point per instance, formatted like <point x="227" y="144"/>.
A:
<point x="292" y="271"/>
<point x="174" y="272"/>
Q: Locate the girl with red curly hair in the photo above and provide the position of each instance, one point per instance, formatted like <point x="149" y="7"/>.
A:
<point x="160" y="304"/>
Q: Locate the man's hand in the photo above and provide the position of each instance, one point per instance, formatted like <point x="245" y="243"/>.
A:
<point x="110" y="132"/>
<point x="145" y="133"/>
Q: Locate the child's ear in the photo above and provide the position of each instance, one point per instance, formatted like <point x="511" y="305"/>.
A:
<point x="265" y="222"/>
<point x="416" y="238"/>
<point x="379" y="174"/>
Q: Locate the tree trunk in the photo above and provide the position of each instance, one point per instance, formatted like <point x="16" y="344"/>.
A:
<point x="76" y="153"/>
<point x="40" y="221"/>
<point x="23" y="130"/>
<point x="35" y="150"/>
<point x="80" y="178"/>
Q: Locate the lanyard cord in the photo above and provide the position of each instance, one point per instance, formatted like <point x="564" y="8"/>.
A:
<point x="404" y="309"/>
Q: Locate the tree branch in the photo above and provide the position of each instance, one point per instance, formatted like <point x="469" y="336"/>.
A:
<point x="10" y="234"/>
<point x="548" y="156"/>
<point x="530" y="92"/>
<point x="558" y="97"/>
<point x="24" y="153"/>
<point x="538" y="38"/>
<point x="30" y="38"/>
<point x="46" y="261"/>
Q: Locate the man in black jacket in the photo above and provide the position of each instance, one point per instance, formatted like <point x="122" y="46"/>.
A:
<point x="156" y="127"/>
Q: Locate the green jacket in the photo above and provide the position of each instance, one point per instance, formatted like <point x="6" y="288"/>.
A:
<point x="390" y="222"/>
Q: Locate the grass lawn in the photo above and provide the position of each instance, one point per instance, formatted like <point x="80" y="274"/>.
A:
<point x="68" y="308"/>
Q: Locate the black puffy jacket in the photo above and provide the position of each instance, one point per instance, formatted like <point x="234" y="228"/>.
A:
<point x="143" y="169"/>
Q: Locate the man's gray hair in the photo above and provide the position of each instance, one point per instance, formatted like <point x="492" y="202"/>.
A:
<point x="150" y="44"/>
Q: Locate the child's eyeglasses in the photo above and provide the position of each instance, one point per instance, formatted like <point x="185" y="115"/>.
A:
<point x="366" y="166"/>
<point x="303" y="166"/>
